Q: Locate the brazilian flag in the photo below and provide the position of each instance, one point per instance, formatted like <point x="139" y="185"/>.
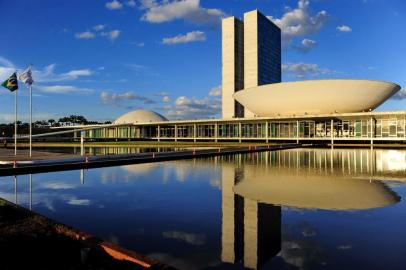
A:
<point x="11" y="83"/>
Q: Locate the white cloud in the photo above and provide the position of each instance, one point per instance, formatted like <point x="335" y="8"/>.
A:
<point x="24" y="117"/>
<point x="74" y="74"/>
<point x="161" y="94"/>
<point x="138" y="44"/>
<point x="114" y="5"/>
<point x="85" y="35"/>
<point x="344" y="28"/>
<point x="188" y="37"/>
<point x="116" y="99"/>
<point x="194" y="108"/>
<point x="141" y="69"/>
<point x="190" y="108"/>
<point x="166" y="99"/>
<point x="190" y="238"/>
<point x="6" y="63"/>
<point x="130" y="3"/>
<point x="304" y="70"/>
<point x="400" y="95"/>
<point x="47" y="74"/>
<point x="189" y="10"/>
<point x="99" y="27"/>
<point x="58" y="185"/>
<point x="301" y="252"/>
<point x="75" y="201"/>
<point x="6" y="68"/>
<point x="44" y="75"/>
<point x="215" y="91"/>
<point x="5" y="72"/>
<point x="344" y="247"/>
<point x="306" y="45"/>
<point x="112" y="35"/>
<point x="137" y="67"/>
<point x="63" y="89"/>
<point x="299" y="22"/>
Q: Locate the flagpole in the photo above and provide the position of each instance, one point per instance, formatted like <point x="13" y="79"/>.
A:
<point x="30" y="120"/>
<point x="15" y="125"/>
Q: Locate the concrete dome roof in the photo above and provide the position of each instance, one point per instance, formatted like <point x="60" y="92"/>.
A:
<point x="140" y="116"/>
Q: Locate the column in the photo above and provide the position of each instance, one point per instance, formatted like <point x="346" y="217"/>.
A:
<point x="372" y="132"/>
<point x="159" y="133"/>
<point x="297" y="131"/>
<point x="332" y="132"/>
<point x="216" y="127"/>
<point x="194" y="132"/>
<point x="266" y="131"/>
<point x="176" y="133"/>
<point x="250" y="233"/>
<point x="228" y="212"/>
<point x="239" y="132"/>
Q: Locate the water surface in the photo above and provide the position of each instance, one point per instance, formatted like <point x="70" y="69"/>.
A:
<point x="290" y="209"/>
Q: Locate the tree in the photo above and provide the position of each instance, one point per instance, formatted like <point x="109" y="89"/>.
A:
<point x="51" y="122"/>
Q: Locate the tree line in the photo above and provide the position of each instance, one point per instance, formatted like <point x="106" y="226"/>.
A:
<point x="42" y="126"/>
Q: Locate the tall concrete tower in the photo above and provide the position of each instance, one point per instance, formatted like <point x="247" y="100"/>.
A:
<point x="251" y="56"/>
<point x="232" y="66"/>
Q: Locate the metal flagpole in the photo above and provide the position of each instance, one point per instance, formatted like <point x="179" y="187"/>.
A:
<point x="30" y="191"/>
<point x="30" y="120"/>
<point x="15" y="189"/>
<point x="15" y="125"/>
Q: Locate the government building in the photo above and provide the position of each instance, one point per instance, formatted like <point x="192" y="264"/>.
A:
<point x="257" y="106"/>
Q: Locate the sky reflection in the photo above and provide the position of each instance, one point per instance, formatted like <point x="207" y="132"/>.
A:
<point x="293" y="209"/>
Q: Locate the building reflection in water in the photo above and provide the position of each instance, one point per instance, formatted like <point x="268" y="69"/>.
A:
<point x="121" y="150"/>
<point x="254" y="187"/>
<point x="251" y="231"/>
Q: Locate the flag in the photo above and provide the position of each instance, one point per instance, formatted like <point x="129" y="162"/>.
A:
<point x="26" y="76"/>
<point x="11" y="83"/>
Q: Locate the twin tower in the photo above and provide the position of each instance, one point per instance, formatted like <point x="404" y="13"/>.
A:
<point x="251" y="56"/>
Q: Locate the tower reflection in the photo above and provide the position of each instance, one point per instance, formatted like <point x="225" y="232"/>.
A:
<point x="256" y="186"/>
<point x="251" y="231"/>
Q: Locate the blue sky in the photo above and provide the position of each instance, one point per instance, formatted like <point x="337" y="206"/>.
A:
<point x="102" y="58"/>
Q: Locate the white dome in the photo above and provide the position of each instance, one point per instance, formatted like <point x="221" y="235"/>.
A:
<point x="140" y="116"/>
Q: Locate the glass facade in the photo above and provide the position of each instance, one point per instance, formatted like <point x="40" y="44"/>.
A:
<point x="269" y="51"/>
<point x="354" y="128"/>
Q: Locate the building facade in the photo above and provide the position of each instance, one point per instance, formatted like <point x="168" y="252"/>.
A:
<point x="251" y="56"/>
<point x="367" y="127"/>
<point x="331" y="111"/>
<point x="232" y="66"/>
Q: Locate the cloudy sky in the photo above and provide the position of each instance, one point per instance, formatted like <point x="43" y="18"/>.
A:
<point x="102" y="58"/>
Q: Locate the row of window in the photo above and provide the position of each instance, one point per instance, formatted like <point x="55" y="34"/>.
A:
<point x="293" y="129"/>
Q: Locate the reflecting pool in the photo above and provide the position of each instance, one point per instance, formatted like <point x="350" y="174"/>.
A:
<point x="290" y="209"/>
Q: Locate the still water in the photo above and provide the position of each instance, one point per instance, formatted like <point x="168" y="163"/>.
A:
<point x="290" y="209"/>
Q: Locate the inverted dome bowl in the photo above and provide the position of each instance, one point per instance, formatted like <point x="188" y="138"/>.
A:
<point x="316" y="97"/>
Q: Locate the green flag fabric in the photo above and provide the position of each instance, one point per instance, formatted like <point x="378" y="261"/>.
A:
<point x="11" y="83"/>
